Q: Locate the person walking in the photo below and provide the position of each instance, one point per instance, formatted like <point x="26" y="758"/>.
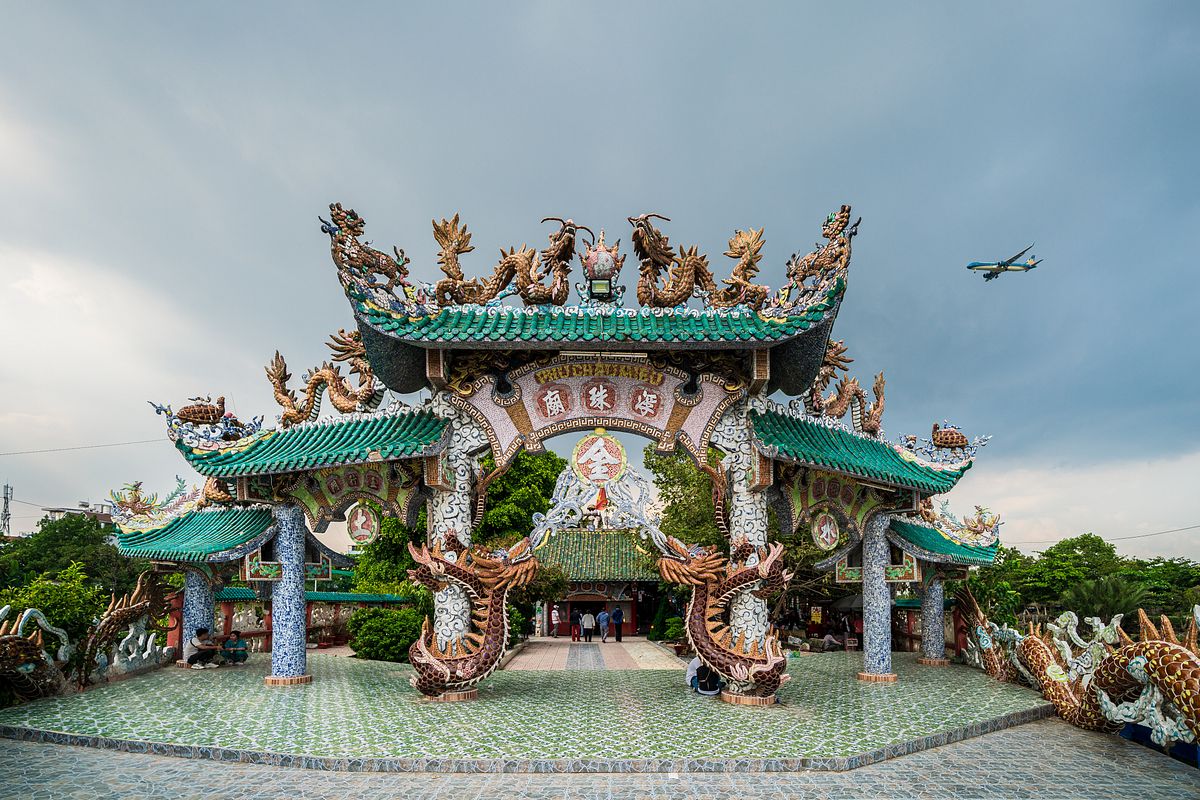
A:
<point x="602" y="621"/>
<point x="617" y="618"/>
<point x="576" y="624"/>
<point x="589" y="624"/>
<point x="554" y="621"/>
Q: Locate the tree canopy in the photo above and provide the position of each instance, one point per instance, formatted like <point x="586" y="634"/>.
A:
<point x="686" y="493"/>
<point x="57" y="544"/>
<point x="513" y="498"/>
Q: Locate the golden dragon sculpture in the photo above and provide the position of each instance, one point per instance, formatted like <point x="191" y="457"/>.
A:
<point x="1096" y="685"/>
<point x="686" y="272"/>
<point x="524" y="269"/>
<point x="740" y="289"/>
<point x="832" y="258"/>
<point x="849" y="396"/>
<point x="346" y="347"/>
<point x="358" y="259"/>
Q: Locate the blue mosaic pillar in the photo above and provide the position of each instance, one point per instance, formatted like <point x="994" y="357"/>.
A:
<point x="198" y="606"/>
<point x="289" y="660"/>
<point x="933" y="628"/>
<point x="877" y="601"/>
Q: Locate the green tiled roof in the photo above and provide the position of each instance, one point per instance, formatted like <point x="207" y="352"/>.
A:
<point x="945" y="549"/>
<point x="242" y="594"/>
<point x="503" y="324"/>
<point x="598" y="556"/>
<point x="196" y="535"/>
<point x="323" y="444"/>
<point x="797" y="439"/>
<point x="915" y="602"/>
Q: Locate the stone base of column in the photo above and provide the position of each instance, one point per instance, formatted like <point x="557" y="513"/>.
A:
<point x="872" y="677"/>
<point x="934" y="662"/>
<point x="456" y="697"/>
<point x="293" y="680"/>
<point x="748" y="700"/>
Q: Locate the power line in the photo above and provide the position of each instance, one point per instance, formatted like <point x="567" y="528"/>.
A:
<point x="1117" y="538"/>
<point x="80" y="447"/>
<point x="26" y="502"/>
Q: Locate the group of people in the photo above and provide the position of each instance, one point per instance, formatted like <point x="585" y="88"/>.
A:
<point x="201" y="650"/>
<point x="584" y="625"/>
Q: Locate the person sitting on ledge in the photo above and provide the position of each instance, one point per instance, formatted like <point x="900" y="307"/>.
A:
<point x="831" y="642"/>
<point x="702" y="678"/>
<point x="235" y="650"/>
<point x="201" y="650"/>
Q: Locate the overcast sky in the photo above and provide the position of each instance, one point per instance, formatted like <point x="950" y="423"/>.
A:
<point x="163" y="168"/>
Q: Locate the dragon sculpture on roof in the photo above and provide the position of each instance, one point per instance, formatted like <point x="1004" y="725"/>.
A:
<point x="754" y="668"/>
<point x="357" y="261"/>
<point x="867" y="418"/>
<point x="1103" y="683"/>
<point x="347" y="399"/>
<point x="487" y="578"/>
<point x="687" y="272"/>
<point x="740" y="289"/>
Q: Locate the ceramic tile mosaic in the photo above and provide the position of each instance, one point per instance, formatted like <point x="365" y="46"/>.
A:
<point x="1048" y="760"/>
<point x="629" y="720"/>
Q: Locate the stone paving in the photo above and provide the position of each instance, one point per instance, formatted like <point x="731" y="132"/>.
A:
<point x="362" y="715"/>
<point x="1047" y="760"/>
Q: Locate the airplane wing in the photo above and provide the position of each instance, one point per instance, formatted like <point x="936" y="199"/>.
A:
<point x="1008" y="261"/>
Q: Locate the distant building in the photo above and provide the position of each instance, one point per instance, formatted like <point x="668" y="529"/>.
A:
<point x="101" y="512"/>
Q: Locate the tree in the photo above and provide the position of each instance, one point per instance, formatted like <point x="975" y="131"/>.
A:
<point x="998" y="586"/>
<point x="1104" y="598"/>
<point x="382" y="566"/>
<point x="686" y="492"/>
<point x="1067" y="563"/>
<point x="524" y="489"/>
<point x="68" y="599"/>
<point x="59" y="543"/>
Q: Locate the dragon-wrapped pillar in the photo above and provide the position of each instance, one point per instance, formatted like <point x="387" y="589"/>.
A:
<point x="933" y="626"/>
<point x="198" y="603"/>
<point x="747" y="519"/>
<point x="289" y="659"/>
<point x="877" y="602"/>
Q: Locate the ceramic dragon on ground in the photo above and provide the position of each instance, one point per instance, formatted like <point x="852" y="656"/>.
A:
<point x="521" y="271"/>
<point x="486" y="578"/>
<point x="148" y="600"/>
<point x="25" y="666"/>
<point x="1103" y="683"/>
<point x="849" y="396"/>
<point x="346" y="347"/>
<point x="686" y="272"/>
<point x="752" y="668"/>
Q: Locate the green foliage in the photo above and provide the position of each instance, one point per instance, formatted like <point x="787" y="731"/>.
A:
<point x="59" y="543"/>
<point x="674" y="629"/>
<point x="384" y="634"/>
<point x="997" y="587"/>
<point x="659" y="625"/>
<point x="69" y="599"/>
<point x="686" y="492"/>
<point x="524" y="489"/>
<point x="517" y="623"/>
<point x="1104" y="598"/>
<point x="382" y="566"/>
<point x="1067" y="563"/>
<point x="550" y="584"/>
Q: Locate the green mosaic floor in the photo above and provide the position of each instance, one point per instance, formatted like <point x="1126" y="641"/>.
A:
<point x="357" y="709"/>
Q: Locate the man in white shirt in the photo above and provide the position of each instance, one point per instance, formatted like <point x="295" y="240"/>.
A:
<point x="554" y="621"/>
<point x="589" y="624"/>
<point x="200" y="650"/>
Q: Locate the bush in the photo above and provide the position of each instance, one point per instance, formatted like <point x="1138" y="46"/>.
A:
<point x="516" y="625"/>
<point x="674" y="630"/>
<point x="384" y="634"/>
<point x="658" y="626"/>
<point x="67" y="599"/>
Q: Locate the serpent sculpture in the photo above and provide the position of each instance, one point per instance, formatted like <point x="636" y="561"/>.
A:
<point x="686" y="271"/>
<point x="460" y="664"/>
<point x="1101" y="684"/>
<point x="755" y="668"/>
<point x="346" y="347"/>
<point x="849" y="396"/>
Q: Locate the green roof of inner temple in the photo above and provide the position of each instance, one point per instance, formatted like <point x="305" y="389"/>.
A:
<point x="587" y="555"/>
<point x="469" y="324"/>
<point x="835" y="448"/>
<point x="196" y="535"/>
<point x="243" y="594"/>
<point x="934" y="541"/>
<point x="352" y="441"/>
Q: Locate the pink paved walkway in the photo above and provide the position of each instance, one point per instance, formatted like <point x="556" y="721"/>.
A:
<point x="549" y="653"/>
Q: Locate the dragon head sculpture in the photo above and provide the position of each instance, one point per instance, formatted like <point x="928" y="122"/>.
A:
<point x="650" y="244"/>
<point x="454" y="240"/>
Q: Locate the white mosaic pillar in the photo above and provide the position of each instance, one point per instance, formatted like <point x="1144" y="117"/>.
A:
<point x="747" y="517"/>
<point x="877" y="599"/>
<point x="933" y="628"/>
<point x="198" y="604"/>
<point x="450" y="514"/>
<point x="289" y="659"/>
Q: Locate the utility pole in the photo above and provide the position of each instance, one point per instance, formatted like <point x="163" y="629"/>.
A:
<point x="5" y="514"/>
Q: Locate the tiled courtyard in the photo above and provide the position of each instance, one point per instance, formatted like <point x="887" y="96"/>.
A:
<point x="572" y="720"/>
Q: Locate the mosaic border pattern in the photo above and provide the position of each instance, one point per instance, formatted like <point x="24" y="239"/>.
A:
<point x="517" y="765"/>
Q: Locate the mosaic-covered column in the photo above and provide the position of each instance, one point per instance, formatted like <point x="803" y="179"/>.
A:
<point x="198" y="605"/>
<point x="747" y="516"/>
<point x="877" y="603"/>
<point x="933" y="626"/>
<point x="450" y="514"/>
<point x="289" y="659"/>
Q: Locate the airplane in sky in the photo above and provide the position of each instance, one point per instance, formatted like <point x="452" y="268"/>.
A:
<point x="993" y="269"/>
